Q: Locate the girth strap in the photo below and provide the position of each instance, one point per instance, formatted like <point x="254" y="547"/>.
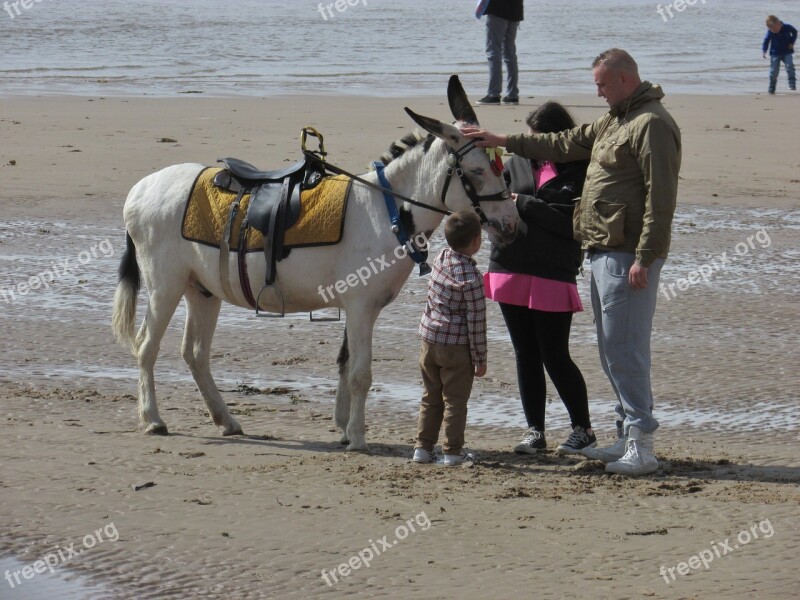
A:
<point x="244" y="278"/>
<point x="225" y="250"/>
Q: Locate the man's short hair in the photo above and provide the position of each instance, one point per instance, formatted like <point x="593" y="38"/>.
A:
<point x="461" y="229"/>
<point x="616" y="59"/>
<point x="772" y="20"/>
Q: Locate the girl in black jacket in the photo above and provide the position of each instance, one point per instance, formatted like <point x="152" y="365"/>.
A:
<point x="533" y="279"/>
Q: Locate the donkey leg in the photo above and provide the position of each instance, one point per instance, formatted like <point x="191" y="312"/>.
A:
<point x="160" y="308"/>
<point x="359" y="333"/>
<point x="201" y="321"/>
<point x="342" y="412"/>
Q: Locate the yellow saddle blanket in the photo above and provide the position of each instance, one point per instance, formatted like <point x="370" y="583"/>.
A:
<point x="321" y="220"/>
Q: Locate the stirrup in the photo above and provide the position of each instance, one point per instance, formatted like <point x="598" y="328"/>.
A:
<point x="280" y="297"/>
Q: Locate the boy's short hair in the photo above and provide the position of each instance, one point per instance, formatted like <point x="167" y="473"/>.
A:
<point x="772" y="20"/>
<point x="461" y="228"/>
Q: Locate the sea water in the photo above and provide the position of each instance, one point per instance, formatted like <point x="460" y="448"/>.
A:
<point x="370" y="47"/>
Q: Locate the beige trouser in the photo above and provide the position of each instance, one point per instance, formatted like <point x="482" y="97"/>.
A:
<point x="447" y="374"/>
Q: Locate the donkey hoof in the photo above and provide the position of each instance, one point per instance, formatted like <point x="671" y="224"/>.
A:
<point x="156" y="429"/>
<point x="233" y="431"/>
<point x="344" y="440"/>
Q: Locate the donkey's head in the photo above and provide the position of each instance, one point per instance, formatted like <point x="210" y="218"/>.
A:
<point x="480" y="181"/>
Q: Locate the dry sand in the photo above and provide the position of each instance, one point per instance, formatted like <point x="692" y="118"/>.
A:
<point x="261" y="516"/>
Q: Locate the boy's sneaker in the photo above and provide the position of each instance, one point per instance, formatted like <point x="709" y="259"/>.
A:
<point x="639" y="458"/>
<point x="509" y="100"/>
<point x="453" y="460"/>
<point x="532" y="442"/>
<point x="489" y="100"/>
<point x="577" y="441"/>
<point x="422" y="456"/>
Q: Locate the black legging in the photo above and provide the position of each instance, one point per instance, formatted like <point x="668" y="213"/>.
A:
<point x="541" y="339"/>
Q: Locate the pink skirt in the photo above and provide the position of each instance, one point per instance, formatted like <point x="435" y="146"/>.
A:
<point x="538" y="293"/>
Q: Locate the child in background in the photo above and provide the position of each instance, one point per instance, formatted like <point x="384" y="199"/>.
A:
<point x="453" y="330"/>
<point x="779" y="41"/>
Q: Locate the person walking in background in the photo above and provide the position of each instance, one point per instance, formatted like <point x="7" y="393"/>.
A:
<point x="624" y="221"/>
<point x="502" y="21"/>
<point x="453" y="330"/>
<point x="533" y="279"/>
<point x="779" y="41"/>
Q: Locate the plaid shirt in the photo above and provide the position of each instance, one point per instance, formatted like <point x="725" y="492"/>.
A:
<point x="455" y="312"/>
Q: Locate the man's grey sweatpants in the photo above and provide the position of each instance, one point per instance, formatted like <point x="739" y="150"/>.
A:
<point x="624" y="319"/>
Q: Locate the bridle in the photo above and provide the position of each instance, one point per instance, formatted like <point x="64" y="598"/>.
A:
<point x="454" y="168"/>
<point x="418" y="255"/>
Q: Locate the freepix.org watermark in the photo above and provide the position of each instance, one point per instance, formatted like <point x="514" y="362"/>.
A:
<point x="705" y="271"/>
<point x="364" y="557"/>
<point x="59" y="268"/>
<point x="374" y="266"/>
<point x="61" y="555"/>
<point x="677" y="6"/>
<point x="717" y="550"/>
<point x="15" y="8"/>
<point x="339" y="5"/>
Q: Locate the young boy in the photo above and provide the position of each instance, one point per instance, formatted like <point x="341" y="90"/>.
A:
<point x="453" y="331"/>
<point x="780" y="41"/>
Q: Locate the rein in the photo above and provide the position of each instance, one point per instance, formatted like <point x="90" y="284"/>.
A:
<point x="453" y="168"/>
<point x="339" y="171"/>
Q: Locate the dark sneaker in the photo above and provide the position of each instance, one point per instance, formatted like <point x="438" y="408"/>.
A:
<point x="532" y="442"/>
<point x="772" y="92"/>
<point x="577" y="441"/>
<point x="510" y="100"/>
<point x="489" y="100"/>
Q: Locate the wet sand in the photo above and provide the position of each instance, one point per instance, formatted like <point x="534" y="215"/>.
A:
<point x="262" y="515"/>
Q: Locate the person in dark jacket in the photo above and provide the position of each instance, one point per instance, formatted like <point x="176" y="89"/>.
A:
<point x="779" y="41"/>
<point x="502" y="21"/>
<point x="533" y="279"/>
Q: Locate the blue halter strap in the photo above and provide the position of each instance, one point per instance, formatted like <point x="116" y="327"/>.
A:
<point x="418" y="256"/>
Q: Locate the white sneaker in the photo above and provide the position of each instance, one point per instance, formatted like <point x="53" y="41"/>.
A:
<point x="639" y="458"/>
<point x="453" y="460"/>
<point x="422" y="456"/>
<point x="608" y="454"/>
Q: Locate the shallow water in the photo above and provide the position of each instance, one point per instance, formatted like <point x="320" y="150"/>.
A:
<point x="376" y="48"/>
<point x="46" y="586"/>
<point x="82" y="298"/>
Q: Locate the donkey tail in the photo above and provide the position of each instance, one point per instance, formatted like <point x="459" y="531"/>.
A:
<point x="124" y="317"/>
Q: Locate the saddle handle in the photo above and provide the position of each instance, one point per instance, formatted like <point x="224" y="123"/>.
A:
<point x="304" y="133"/>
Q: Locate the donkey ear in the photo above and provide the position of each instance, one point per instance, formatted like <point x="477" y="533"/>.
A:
<point x="428" y="124"/>
<point x="447" y="132"/>
<point x="459" y="103"/>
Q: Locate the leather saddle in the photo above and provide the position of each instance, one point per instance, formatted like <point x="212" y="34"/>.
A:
<point x="274" y="204"/>
<point x="270" y="192"/>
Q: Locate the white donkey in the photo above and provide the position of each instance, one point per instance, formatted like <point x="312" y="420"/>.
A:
<point x="173" y="267"/>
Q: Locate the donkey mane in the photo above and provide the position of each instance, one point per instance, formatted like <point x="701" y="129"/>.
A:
<point x="404" y="144"/>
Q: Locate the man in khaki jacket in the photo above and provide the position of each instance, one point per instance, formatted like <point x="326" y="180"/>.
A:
<point x="624" y="221"/>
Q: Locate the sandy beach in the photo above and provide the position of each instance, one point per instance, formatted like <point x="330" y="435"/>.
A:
<point x="267" y="514"/>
